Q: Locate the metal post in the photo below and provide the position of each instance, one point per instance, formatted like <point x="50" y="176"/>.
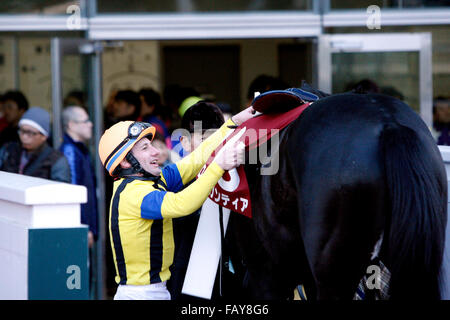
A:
<point x="95" y="101"/>
<point x="324" y="64"/>
<point x="89" y="7"/>
<point x="426" y="80"/>
<point x="315" y="62"/>
<point x="56" y="91"/>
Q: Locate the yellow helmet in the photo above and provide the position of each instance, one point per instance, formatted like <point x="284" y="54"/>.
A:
<point x="118" y="140"/>
<point x="187" y="103"/>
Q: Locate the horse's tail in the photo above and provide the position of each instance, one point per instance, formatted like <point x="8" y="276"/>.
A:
<point x="417" y="186"/>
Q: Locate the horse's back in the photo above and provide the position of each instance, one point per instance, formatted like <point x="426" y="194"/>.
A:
<point x="341" y="133"/>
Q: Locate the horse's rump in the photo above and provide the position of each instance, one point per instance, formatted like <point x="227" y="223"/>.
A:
<point x="369" y="165"/>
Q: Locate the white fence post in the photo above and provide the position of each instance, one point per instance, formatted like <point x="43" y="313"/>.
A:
<point x="41" y="238"/>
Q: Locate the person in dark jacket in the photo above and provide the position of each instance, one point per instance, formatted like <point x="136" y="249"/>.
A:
<point x="78" y="130"/>
<point x="32" y="155"/>
<point x="441" y="120"/>
<point x="14" y="106"/>
<point x="200" y="121"/>
<point x="3" y="122"/>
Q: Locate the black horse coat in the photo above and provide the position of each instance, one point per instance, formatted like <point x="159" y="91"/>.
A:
<point x="354" y="170"/>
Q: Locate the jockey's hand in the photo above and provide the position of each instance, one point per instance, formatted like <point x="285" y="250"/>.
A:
<point x="231" y="155"/>
<point x="244" y="115"/>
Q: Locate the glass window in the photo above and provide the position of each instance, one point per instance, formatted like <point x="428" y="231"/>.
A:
<point x="295" y="63"/>
<point x="440" y="51"/>
<point x="44" y="7"/>
<point x="362" y="4"/>
<point x="139" y="6"/>
<point x="395" y="73"/>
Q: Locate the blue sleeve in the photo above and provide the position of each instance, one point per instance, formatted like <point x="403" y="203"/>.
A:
<point x="69" y="152"/>
<point x="151" y="205"/>
<point x="173" y="178"/>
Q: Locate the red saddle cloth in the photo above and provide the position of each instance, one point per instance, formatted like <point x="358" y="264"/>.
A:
<point x="232" y="190"/>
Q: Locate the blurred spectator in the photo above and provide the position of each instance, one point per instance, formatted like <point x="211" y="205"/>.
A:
<point x="178" y="150"/>
<point x="441" y="120"/>
<point x="78" y="131"/>
<point x="75" y="98"/>
<point x="391" y="91"/>
<point x="174" y="95"/>
<point x="108" y="119"/>
<point x="264" y="83"/>
<point x="184" y="105"/>
<point x="200" y="120"/>
<point x="172" y="100"/>
<point x="187" y="103"/>
<point x="164" y="152"/>
<point x="32" y="155"/>
<point x="126" y="106"/>
<point x="226" y="110"/>
<point x="151" y="111"/>
<point x="14" y="106"/>
<point x="3" y="122"/>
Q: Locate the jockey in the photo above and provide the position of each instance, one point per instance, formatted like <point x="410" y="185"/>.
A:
<point x="146" y="198"/>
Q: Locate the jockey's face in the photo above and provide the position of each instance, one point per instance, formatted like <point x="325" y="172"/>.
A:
<point x="147" y="156"/>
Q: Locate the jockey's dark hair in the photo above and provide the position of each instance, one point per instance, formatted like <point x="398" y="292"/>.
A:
<point x="208" y="113"/>
<point x="75" y="97"/>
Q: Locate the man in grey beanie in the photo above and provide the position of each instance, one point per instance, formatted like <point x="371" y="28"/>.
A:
<point x="32" y="156"/>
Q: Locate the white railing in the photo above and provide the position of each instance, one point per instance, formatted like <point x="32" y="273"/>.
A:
<point x="28" y="203"/>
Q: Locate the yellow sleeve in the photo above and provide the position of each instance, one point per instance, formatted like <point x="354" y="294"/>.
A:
<point x="140" y="199"/>
<point x="190" y="199"/>
<point x="192" y="164"/>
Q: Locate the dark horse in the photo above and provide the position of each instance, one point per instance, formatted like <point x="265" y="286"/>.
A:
<point x="353" y="169"/>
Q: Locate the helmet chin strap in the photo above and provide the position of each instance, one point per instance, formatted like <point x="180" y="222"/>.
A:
<point x="136" y="168"/>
